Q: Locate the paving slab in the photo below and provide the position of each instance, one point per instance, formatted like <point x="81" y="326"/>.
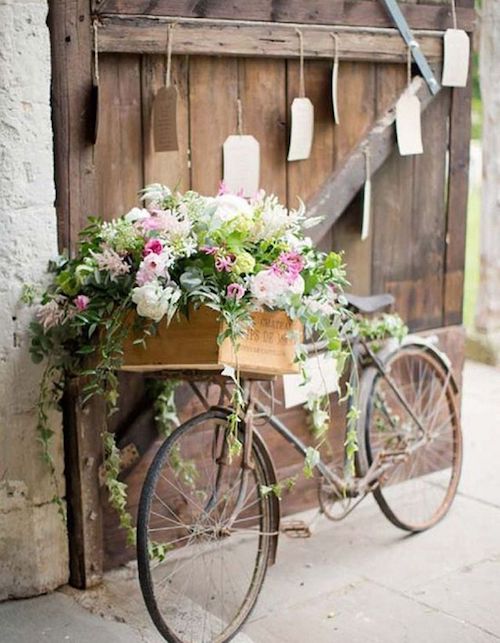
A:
<point x="361" y="580"/>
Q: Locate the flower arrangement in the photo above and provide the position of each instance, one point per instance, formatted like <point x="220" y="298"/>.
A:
<point x="232" y="254"/>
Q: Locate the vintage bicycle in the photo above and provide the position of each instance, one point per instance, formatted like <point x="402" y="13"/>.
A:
<point x="219" y="524"/>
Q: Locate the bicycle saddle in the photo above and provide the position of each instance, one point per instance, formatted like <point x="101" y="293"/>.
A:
<point x="371" y="304"/>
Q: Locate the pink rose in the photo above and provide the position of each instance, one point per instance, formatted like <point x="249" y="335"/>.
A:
<point x="81" y="302"/>
<point x="235" y="291"/>
<point x="153" y="246"/>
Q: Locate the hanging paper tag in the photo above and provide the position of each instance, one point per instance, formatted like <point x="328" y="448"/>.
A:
<point x="367" y="201"/>
<point x="302" y="129"/>
<point x="242" y="164"/>
<point x="408" y="125"/>
<point x="165" y="120"/>
<point x="456" y="58"/>
<point x="323" y="378"/>
<point x="335" y="80"/>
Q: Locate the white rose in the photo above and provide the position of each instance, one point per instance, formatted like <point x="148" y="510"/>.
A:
<point x="154" y="302"/>
<point x="136" y="214"/>
<point x="229" y="206"/>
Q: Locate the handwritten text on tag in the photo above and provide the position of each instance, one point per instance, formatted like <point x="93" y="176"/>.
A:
<point x="165" y="120"/>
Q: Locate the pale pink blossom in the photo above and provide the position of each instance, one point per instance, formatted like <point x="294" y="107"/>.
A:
<point x="210" y="250"/>
<point x="81" y="302"/>
<point x="152" y="267"/>
<point x="269" y="288"/>
<point x="111" y="261"/>
<point x="235" y="291"/>
<point x="288" y="265"/>
<point x="50" y="314"/>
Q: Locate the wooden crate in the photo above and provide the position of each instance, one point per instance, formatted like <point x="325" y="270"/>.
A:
<point x="191" y="343"/>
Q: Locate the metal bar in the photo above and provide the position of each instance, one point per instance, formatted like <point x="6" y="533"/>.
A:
<point x="407" y="35"/>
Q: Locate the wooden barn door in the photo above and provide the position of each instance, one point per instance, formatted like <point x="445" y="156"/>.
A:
<point x="415" y="246"/>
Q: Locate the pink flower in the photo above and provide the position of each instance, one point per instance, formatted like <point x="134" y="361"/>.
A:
<point x="111" y="261"/>
<point x="223" y="189"/>
<point x="225" y="263"/>
<point x="50" y="314"/>
<point x="153" y="246"/>
<point x="152" y="266"/>
<point x="210" y="250"/>
<point x="288" y="265"/>
<point x="81" y="302"/>
<point x="235" y="291"/>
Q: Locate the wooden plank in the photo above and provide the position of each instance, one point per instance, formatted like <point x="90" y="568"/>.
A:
<point x="213" y="86"/>
<point x="458" y="188"/>
<point x="263" y="82"/>
<point x="357" y="101"/>
<point x="336" y="194"/>
<point x="119" y="145"/>
<point x="305" y="177"/>
<point x="392" y="199"/>
<point x="226" y="38"/>
<point x="428" y="227"/>
<point x="170" y="168"/>
<point x="75" y="176"/>
<point x="349" y="12"/>
<point x="83" y="456"/>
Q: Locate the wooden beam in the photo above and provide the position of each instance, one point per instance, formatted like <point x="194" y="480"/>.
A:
<point x="338" y="192"/>
<point x="148" y="35"/>
<point x="71" y="94"/>
<point x="83" y="455"/>
<point x="458" y="191"/>
<point x="356" y="13"/>
<point x="76" y="198"/>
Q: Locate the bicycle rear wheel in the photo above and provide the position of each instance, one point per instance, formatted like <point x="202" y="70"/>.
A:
<point x="209" y="518"/>
<point x="418" y="488"/>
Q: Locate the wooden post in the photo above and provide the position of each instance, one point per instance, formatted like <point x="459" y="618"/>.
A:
<point x="76" y="199"/>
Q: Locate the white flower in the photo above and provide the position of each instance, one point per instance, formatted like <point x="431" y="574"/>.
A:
<point x="154" y="301"/>
<point x="153" y="266"/>
<point x="228" y="207"/>
<point x="270" y="289"/>
<point x="136" y="214"/>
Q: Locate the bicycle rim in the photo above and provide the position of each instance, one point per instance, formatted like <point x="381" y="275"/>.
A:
<point x="215" y="559"/>
<point x="418" y="489"/>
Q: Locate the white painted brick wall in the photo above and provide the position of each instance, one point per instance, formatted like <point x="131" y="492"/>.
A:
<point x="33" y="546"/>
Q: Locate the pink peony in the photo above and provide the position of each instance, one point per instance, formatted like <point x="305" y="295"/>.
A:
<point x="235" y="291"/>
<point x="81" y="302"/>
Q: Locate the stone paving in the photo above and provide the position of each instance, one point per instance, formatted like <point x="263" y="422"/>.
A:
<point x="358" y="581"/>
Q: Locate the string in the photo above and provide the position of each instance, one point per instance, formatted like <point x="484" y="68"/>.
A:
<point x="170" y="39"/>
<point x="454" y="14"/>
<point x="240" y="117"/>
<point x="336" y="48"/>
<point x="408" y="66"/>
<point x="96" y="52"/>
<point x="302" y="90"/>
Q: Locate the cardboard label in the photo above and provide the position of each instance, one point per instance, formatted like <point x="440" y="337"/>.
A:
<point x="335" y="81"/>
<point x="324" y="379"/>
<point x="456" y="58"/>
<point x="165" y="120"/>
<point x="367" y="202"/>
<point x="408" y="125"/>
<point x="242" y="164"/>
<point x="302" y="129"/>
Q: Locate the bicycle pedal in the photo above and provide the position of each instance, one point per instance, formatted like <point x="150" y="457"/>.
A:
<point x="296" y="529"/>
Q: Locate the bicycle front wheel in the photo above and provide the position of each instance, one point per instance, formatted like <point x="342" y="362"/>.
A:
<point x="422" y="438"/>
<point x="207" y="517"/>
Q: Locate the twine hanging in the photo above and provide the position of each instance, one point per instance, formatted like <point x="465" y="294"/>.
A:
<point x="302" y="89"/>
